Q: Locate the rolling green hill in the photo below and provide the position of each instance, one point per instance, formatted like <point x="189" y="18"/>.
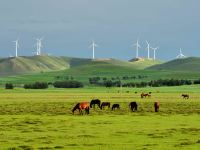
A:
<point x="36" y="64"/>
<point x="50" y="68"/>
<point x="185" y="64"/>
<point x="22" y="65"/>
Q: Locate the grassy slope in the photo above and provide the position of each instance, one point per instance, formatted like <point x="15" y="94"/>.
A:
<point x="21" y="65"/>
<point x="82" y="69"/>
<point x="189" y="64"/>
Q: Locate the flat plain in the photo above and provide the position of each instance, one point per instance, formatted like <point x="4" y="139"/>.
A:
<point x="42" y="119"/>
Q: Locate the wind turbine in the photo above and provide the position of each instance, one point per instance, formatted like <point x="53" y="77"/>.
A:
<point x="16" y="47"/>
<point x="137" y="45"/>
<point x="148" y="49"/>
<point x="93" y="45"/>
<point x="154" y="52"/>
<point x="39" y="46"/>
<point x="180" y="54"/>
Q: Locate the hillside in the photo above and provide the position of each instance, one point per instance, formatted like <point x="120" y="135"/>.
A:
<point x="22" y="65"/>
<point x="186" y="64"/>
<point x="142" y="63"/>
<point x="36" y="64"/>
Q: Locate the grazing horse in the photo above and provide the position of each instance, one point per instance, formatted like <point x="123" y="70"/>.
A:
<point x="156" y="106"/>
<point x="82" y="106"/>
<point x="94" y="102"/>
<point x="133" y="106"/>
<point x="185" y="96"/>
<point x="144" y="95"/>
<point x="114" y="106"/>
<point x="105" y="104"/>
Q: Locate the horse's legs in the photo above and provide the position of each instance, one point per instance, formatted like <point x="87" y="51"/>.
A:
<point x="81" y="112"/>
<point x="88" y="110"/>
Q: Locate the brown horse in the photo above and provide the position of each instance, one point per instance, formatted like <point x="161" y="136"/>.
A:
<point x="133" y="106"/>
<point x="144" y="95"/>
<point x="156" y="106"/>
<point x="103" y="104"/>
<point x="82" y="106"/>
<point x="115" y="106"/>
<point x="185" y="96"/>
<point x="95" y="102"/>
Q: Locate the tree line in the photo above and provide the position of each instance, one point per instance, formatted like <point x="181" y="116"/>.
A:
<point x="107" y="83"/>
<point x="45" y="85"/>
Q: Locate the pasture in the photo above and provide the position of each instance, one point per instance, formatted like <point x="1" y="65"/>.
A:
<point x="42" y="119"/>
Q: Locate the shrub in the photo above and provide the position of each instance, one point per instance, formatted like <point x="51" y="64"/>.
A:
<point x="36" y="85"/>
<point x="9" y="86"/>
<point x="68" y="84"/>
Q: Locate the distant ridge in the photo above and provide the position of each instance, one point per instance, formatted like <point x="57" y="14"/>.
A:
<point x="25" y="64"/>
<point x="35" y="64"/>
<point x="184" y="64"/>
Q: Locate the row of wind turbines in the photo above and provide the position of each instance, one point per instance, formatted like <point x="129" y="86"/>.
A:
<point x="39" y="46"/>
<point x="137" y="45"/>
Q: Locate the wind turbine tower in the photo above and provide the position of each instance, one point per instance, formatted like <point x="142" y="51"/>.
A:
<point x="180" y="54"/>
<point x="137" y="45"/>
<point x="148" y="49"/>
<point x="154" y="52"/>
<point x="39" y="46"/>
<point x="16" y="47"/>
<point x="93" y="45"/>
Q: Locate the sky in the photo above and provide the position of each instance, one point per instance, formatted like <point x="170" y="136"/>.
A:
<point x="69" y="26"/>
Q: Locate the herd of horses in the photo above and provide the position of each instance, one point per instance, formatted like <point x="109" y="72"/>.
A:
<point x="132" y="105"/>
<point x="86" y="106"/>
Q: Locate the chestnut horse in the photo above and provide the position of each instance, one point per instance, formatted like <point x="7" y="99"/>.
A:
<point x="94" y="102"/>
<point x="115" y="106"/>
<point x="156" y="106"/>
<point x="144" y="95"/>
<point x="105" y="104"/>
<point x="133" y="106"/>
<point x="82" y="106"/>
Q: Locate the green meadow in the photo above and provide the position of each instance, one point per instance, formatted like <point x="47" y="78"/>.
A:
<point x="42" y="119"/>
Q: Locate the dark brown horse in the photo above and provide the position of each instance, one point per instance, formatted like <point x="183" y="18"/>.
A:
<point x="115" y="106"/>
<point x="144" y="95"/>
<point x="156" y="106"/>
<point x="133" y="106"/>
<point x="95" y="102"/>
<point x="82" y="106"/>
<point x="103" y="104"/>
<point x="185" y="96"/>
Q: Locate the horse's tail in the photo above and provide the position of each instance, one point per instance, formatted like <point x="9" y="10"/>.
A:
<point x="101" y="106"/>
<point x="91" y="104"/>
<point x="108" y="105"/>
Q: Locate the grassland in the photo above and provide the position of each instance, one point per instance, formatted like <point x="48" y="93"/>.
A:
<point x="42" y="119"/>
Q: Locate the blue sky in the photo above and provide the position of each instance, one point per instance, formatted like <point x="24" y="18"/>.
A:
<point x="68" y="26"/>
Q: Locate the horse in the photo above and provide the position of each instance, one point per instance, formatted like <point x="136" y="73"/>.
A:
<point x="156" y="106"/>
<point x="114" y="106"/>
<point x="185" y="96"/>
<point x="82" y="106"/>
<point x="103" y="104"/>
<point x="133" y="106"/>
<point x="94" y="102"/>
<point x="144" y="95"/>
